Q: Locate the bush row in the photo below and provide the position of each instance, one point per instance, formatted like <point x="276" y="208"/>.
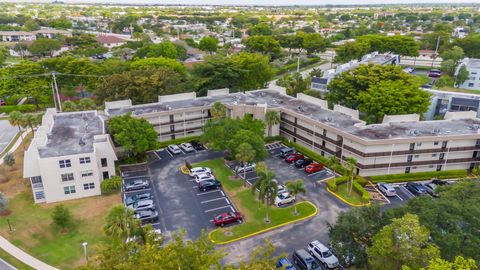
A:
<point x="359" y="188"/>
<point x="273" y="139"/>
<point x="177" y="141"/>
<point x="405" y="177"/>
<point x="293" y="66"/>
<point x="21" y="108"/>
<point x="333" y="183"/>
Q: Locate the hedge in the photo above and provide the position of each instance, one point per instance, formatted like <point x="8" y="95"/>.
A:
<point x="273" y="139"/>
<point x="332" y="183"/>
<point x="21" y="108"/>
<point x="358" y="188"/>
<point x="406" y="177"/>
<point x="313" y="155"/>
<point x="177" y="141"/>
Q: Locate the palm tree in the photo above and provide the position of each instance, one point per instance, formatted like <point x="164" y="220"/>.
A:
<point x="296" y="188"/>
<point x="267" y="190"/>
<point x="476" y="171"/>
<point x="245" y="154"/>
<point x="271" y="118"/>
<point x="15" y="119"/>
<point x="121" y="222"/>
<point x="333" y="163"/>
<point x="351" y="164"/>
<point x="31" y="120"/>
<point x="218" y="110"/>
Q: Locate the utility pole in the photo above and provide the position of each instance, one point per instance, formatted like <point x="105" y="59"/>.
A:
<point x="56" y="90"/>
<point x="298" y="63"/>
<point x="54" y="98"/>
<point x="436" y="50"/>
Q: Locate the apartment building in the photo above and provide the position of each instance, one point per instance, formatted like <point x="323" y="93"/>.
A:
<point x="473" y="68"/>
<point x="442" y="102"/>
<point x="69" y="156"/>
<point x="401" y="144"/>
<point x="320" y="83"/>
<point x="16" y="36"/>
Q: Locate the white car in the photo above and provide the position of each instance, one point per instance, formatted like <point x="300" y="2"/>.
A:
<point x="202" y="177"/>
<point x="281" y="189"/>
<point x="323" y="254"/>
<point x="199" y="170"/>
<point x="248" y="167"/>
<point x="387" y="189"/>
<point x="187" y="147"/>
<point x="284" y="198"/>
<point x="174" y="149"/>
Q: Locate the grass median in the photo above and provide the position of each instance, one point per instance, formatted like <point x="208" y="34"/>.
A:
<point x="246" y="203"/>
<point x="354" y="198"/>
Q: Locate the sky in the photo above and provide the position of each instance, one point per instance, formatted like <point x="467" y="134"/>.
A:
<point x="268" y="2"/>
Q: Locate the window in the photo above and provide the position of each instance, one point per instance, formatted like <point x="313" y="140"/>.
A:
<point x="67" y="177"/>
<point x="86" y="173"/>
<point x="435" y="143"/>
<point x="88" y="186"/>
<point x="417" y="156"/>
<point x="470" y="85"/>
<point x="39" y="195"/>
<point x="104" y="162"/>
<point x="106" y="175"/>
<point x="84" y="160"/>
<point x="419" y="144"/>
<point x="69" y="190"/>
<point x="434" y="155"/>
<point x="65" y="163"/>
<point x="439" y="167"/>
<point x="36" y="182"/>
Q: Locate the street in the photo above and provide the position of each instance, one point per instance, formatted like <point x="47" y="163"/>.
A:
<point x="8" y="132"/>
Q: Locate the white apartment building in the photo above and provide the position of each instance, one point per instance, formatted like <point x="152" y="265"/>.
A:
<point x="401" y="144"/>
<point x="15" y="36"/>
<point x="69" y="156"/>
<point x="473" y="67"/>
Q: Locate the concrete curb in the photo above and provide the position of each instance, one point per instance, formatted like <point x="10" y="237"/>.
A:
<point x="264" y="230"/>
<point x="347" y="202"/>
<point x="17" y="141"/>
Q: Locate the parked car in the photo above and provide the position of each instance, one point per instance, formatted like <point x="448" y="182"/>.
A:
<point x="174" y="149"/>
<point x="301" y="163"/>
<point x="387" y="189"/>
<point x="408" y="70"/>
<point x="293" y="157"/>
<point x="137" y="197"/>
<point x="284" y="152"/>
<point x="199" y="170"/>
<point x="209" y="184"/>
<point x="430" y="188"/>
<point x="284" y="263"/>
<point x="143" y="205"/>
<point x="434" y="73"/>
<point x="227" y="218"/>
<point x="187" y="147"/>
<point x="248" y="167"/>
<point x="439" y="182"/>
<point x="428" y="85"/>
<point x="197" y="145"/>
<point x="416" y="188"/>
<point x="2" y="102"/>
<point x="137" y="184"/>
<point x="203" y="177"/>
<point x="284" y="198"/>
<point x="281" y="189"/>
<point x="313" y="168"/>
<point x="304" y="260"/>
<point x="323" y="254"/>
<point x="147" y="215"/>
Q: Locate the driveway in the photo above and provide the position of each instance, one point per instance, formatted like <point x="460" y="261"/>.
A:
<point x="8" y="132"/>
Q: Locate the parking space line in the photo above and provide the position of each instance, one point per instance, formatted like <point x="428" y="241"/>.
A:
<point x="408" y="191"/>
<point x="226" y="199"/>
<point x="156" y="223"/>
<point x="223" y="194"/>
<point x="208" y="192"/>
<point x="312" y="174"/>
<point x="218" y="208"/>
<point x="130" y="191"/>
<point x="169" y="153"/>
<point x="233" y="210"/>
<point x="256" y="177"/>
<point x="212" y="200"/>
<point x="399" y="197"/>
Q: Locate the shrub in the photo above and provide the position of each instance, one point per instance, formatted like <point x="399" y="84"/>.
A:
<point x="362" y="181"/>
<point x="21" y="108"/>
<point x="9" y="159"/>
<point x="273" y="139"/>
<point x="406" y="177"/>
<point x="331" y="185"/>
<point x="357" y="187"/>
<point x="111" y="185"/>
<point x="61" y="216"/>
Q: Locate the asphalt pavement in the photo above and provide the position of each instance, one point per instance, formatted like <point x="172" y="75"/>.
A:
<point x="6" y="266"/>
<point x="7" y="134"/>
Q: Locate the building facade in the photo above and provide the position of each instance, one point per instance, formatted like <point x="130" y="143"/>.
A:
<point x="16" y="36"/>
<point x="473" y="68"/>
<point x="402" y="144"/>
<point x="70" y="155"/>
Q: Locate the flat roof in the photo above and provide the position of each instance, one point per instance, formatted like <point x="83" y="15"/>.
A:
<point x="473" y="63"/>
<point x="71" y="134"/>
<point x="337" y="120"/>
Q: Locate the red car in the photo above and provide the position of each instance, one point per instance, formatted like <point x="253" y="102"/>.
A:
<point x="294" y="157"/>
<point x="227" y="218"/>
<point x="313" y="168"/>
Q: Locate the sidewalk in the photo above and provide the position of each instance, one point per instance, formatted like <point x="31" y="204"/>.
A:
<point x="23" y="256"/>
<point x="17" y="143"/>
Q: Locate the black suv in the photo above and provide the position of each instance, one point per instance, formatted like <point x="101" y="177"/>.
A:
<point x="303" y="162"/>
<point x="209" y="184"/>
<point x="197" y="145"/>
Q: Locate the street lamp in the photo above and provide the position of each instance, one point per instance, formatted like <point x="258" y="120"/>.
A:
<point x="84" y="244"/>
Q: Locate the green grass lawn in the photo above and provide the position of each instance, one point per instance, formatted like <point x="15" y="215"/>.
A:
<point x="35" y="234"/>
<point x="13" y="261"/>
<point x="353" y="198"/>
<point x="246" y="203"/>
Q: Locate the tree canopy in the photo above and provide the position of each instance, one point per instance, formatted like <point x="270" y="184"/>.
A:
<point x="44" y="46"/>
<point x="208" y="44"/>
<point x="265" y="45"/>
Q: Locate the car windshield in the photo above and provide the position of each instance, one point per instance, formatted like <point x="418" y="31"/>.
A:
<point x="326" y="254"/>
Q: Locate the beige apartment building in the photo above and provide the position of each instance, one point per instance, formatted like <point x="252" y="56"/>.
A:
<point x="401" y="144"/>
<point x="69" y="156"/>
